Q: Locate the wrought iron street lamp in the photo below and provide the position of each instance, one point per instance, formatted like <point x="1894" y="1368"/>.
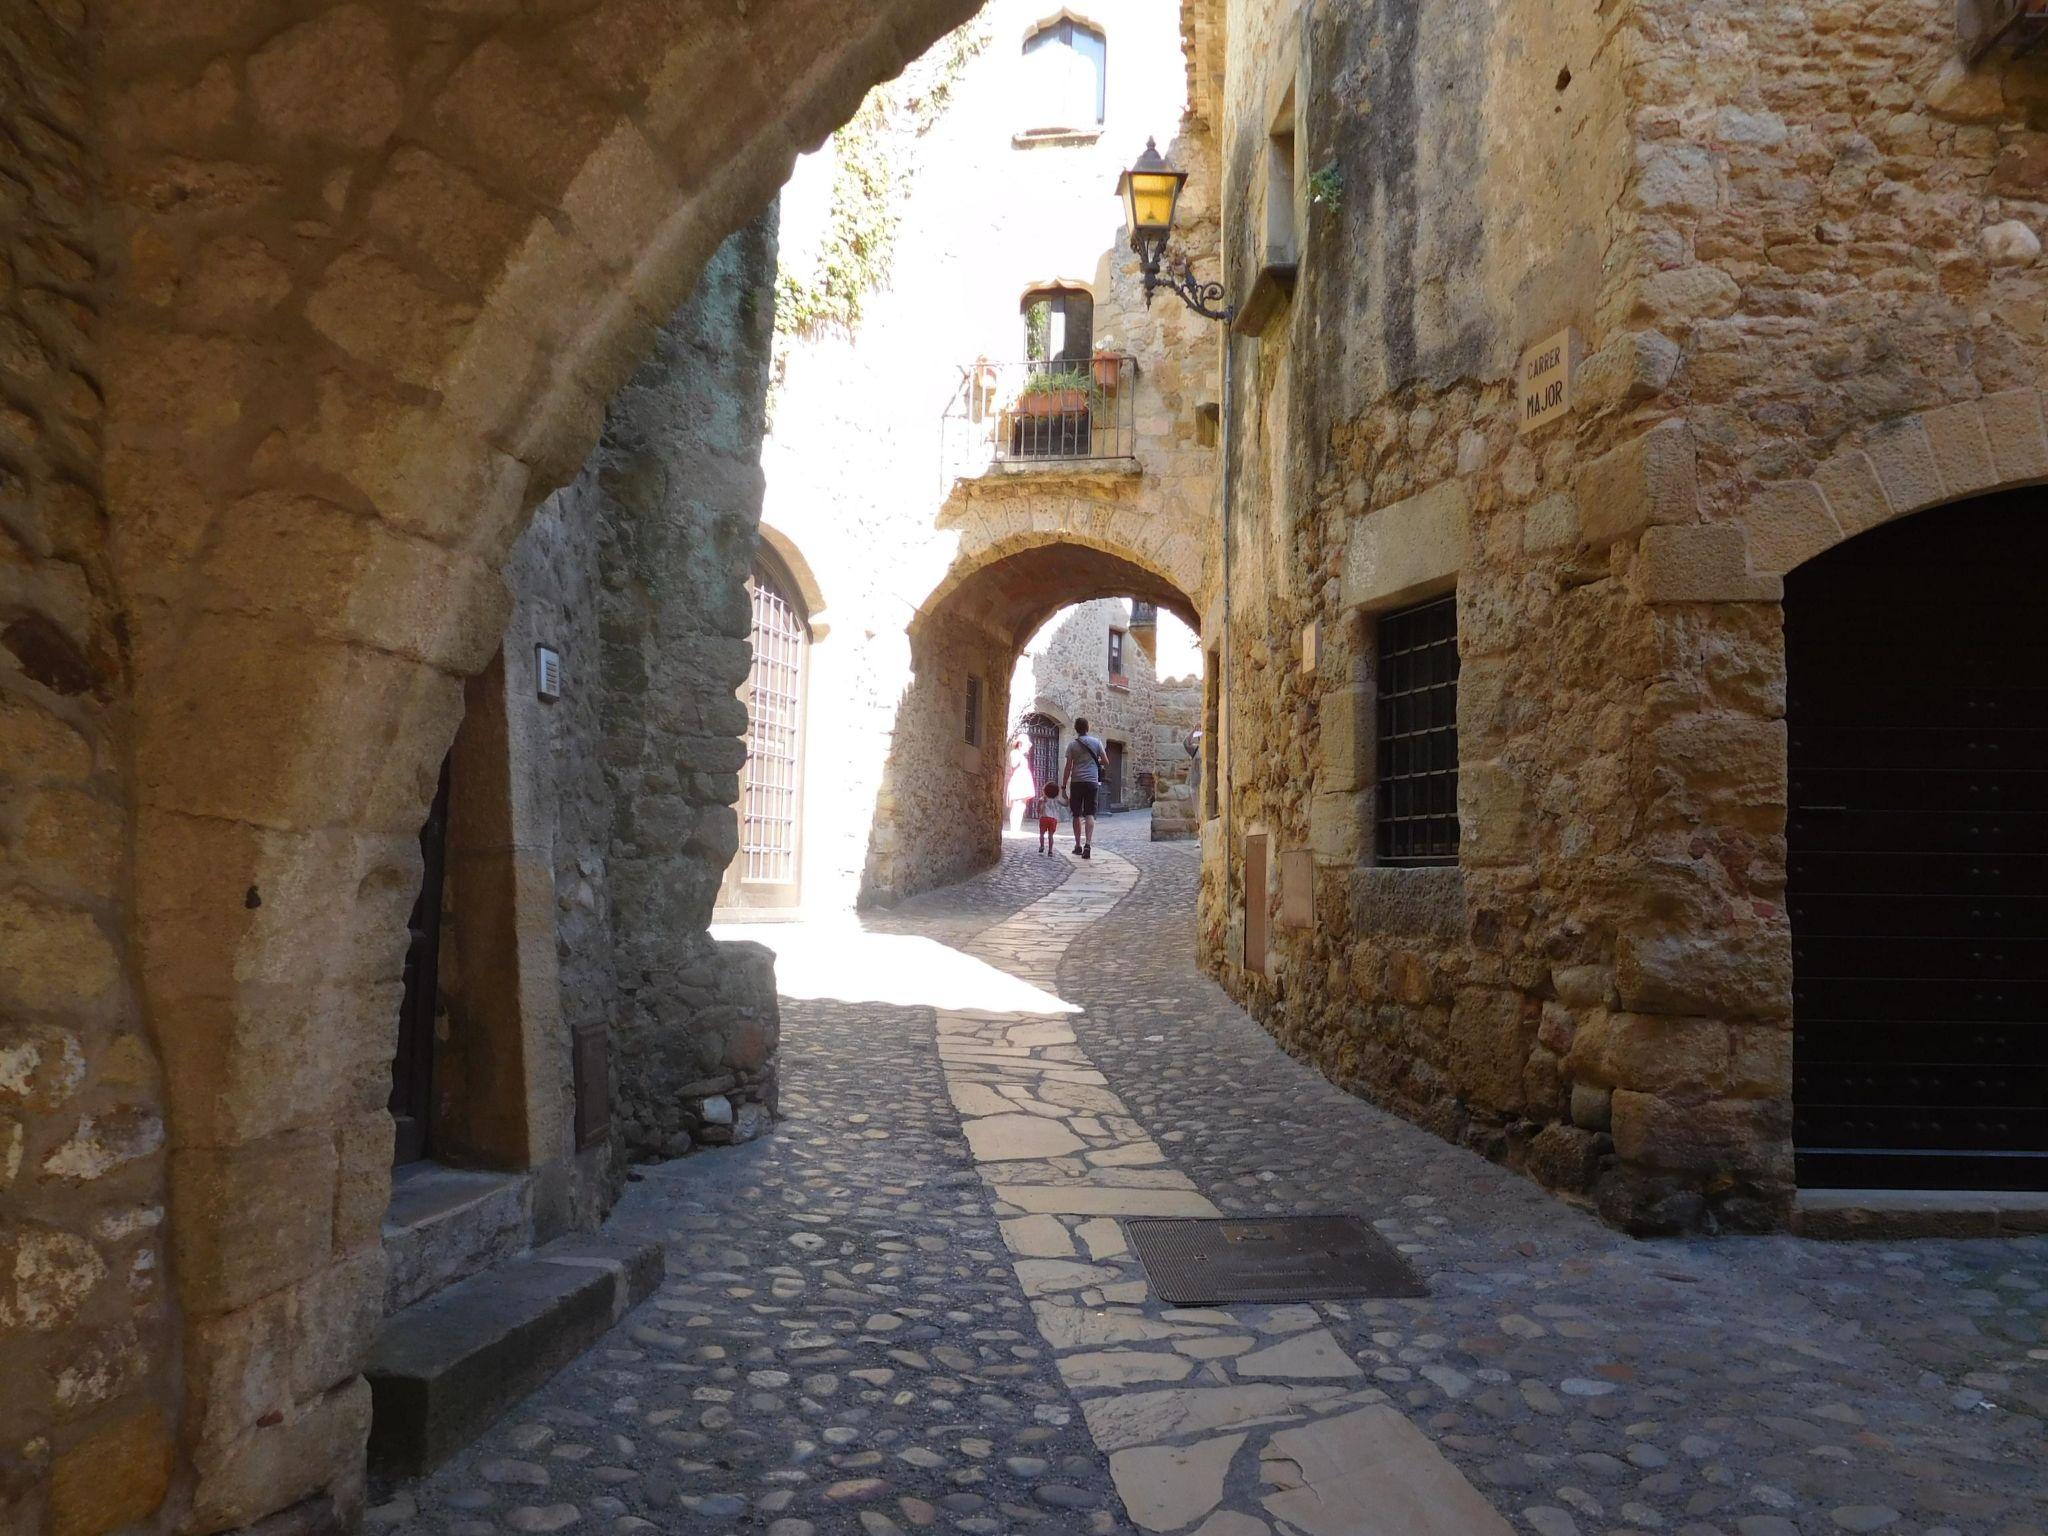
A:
<point x="1151" y="193"/>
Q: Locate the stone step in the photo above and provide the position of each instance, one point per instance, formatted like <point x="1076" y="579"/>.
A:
<point x="1886" y="1214"/>
<point x="447" y="1368"/>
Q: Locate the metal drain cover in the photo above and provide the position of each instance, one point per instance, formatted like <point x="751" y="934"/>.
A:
<point x="1195" y="1263"/>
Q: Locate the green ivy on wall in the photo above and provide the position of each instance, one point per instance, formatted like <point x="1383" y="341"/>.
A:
<point x="868" y="186"/>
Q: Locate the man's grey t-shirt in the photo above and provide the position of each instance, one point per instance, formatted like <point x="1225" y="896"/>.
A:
<point x="1082" y="763"/>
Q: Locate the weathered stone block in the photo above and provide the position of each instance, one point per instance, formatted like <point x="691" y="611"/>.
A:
<point x="1703" y="563"/>
<point x="1855" y="495"/>
<point x="363" y="1178"/>
<point x="1408" y="903"/>
<point x="1492" y="815"/>
<point x="2019" y="445"/>
<point x="1583" y="986"/>
<point x="1676" y="1058"/>
<point x="1592" y="1107"/>
<point x="114" y="1478"/>
<point x="1405" y="549"/>
<point x="1681" y="296"/>
<point x="238" y="1367"/>
<point x="1719" y="769"/>
<point x="1962" y="451"/>
<point x="1564" y="1157"/>
<point x="1760" y="1062"/>
<point x="1733" y="972"/>
<point x="1344" y="745"/>
<point x="1789" y="523"/>
<point x="1648" y="480"/>
<point x="1338" y="826"/>
<point x="1552" y="523"/>
<point x="1747" y="1136"/>
<point x="52" y="956"/>
<point x="1634" y="367"/>
<point x="252" y="1219"/>
<point x="276" y="1464"/>
<point x="332" y="80"/>
<point x="1904" y="460"/>
<point x="334" y="1319"/>
<point x="1491" y="1034"/>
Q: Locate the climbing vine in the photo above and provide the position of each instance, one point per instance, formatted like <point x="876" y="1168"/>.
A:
<point x="868" y="186"/>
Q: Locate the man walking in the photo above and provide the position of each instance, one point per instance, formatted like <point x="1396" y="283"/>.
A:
<point x="1081" y="782"/>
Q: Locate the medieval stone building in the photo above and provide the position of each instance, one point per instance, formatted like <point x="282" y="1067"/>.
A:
<point x="1617" y="738"/>
<point x="1626" y="715"/>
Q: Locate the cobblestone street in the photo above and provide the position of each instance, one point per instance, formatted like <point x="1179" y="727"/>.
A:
<point x="911" y="1307"/>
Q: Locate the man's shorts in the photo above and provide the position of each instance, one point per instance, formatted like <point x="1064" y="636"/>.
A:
<point x="1083" y="796"/>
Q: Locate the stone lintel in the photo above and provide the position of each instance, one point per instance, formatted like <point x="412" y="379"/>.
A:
<point x="1411" y="549"/>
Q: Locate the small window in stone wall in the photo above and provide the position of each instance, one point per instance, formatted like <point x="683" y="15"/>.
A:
<point x="1416" y="793"/>
<point x="972" y="734"/>
<point x="1116" y="653"/>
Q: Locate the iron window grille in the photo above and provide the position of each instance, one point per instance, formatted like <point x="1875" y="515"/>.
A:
<point x="775" y="711"/>
<point x="1416" y="799"/>
<point x="973" y="733"/>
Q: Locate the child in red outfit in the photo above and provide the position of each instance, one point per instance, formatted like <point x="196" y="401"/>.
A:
<point x="1048" y="825"/>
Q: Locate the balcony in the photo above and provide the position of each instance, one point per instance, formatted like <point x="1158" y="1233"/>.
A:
<point x="1057" y="416"/>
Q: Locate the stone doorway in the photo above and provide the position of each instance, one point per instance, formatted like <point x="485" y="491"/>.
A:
<point x="412" y="1068"/>
<point x="1918" y="853"/>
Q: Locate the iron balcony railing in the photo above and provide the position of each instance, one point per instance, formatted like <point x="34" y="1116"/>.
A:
<point x="1040" y="412"/>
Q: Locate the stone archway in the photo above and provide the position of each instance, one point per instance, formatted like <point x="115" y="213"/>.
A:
<point x="1915" y="718"/>
<point x="940" y="805"/>
<point x="368" y="278"/>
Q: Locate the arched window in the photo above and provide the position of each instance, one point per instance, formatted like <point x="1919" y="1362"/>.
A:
<point x="1068" y="67"/>
<point x="1059" y="325"/>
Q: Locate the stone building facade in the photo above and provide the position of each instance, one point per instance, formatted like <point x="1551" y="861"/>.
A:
<point x="304" y="309"/>
<point x="1788" y="256"/>
<point x="1098" y="661"/>
<point x="925" y="522"/>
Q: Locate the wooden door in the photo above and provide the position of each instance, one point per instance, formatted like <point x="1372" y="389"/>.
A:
<point x="1113" y="791"/>
<point x="1917" y="700"/>
<point x="412" y="1069"/>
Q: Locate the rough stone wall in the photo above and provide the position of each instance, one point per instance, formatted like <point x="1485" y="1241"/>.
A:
<point x="89" y="1401"/>
<point x="1176" y="711"/>
<point x="677" y="483"/>
<point x="1815" y="236"/>
<point x="370" y="279"/>
<point x="880" y="493"/>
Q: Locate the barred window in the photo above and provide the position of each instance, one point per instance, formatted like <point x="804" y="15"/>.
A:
<point x="1417" y="793"/>
<point x="973" y="735"/>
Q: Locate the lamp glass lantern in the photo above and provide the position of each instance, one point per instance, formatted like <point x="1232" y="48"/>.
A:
<point x="1150" y="190"/>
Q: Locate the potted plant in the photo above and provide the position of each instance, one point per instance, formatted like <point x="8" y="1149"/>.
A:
<point x="1066" y="392"/>
<point x="1109" y="368"/>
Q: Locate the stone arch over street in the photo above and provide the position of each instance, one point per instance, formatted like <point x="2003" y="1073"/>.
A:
<point x="940" y="805"/>
<point x="369" y="283"/>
